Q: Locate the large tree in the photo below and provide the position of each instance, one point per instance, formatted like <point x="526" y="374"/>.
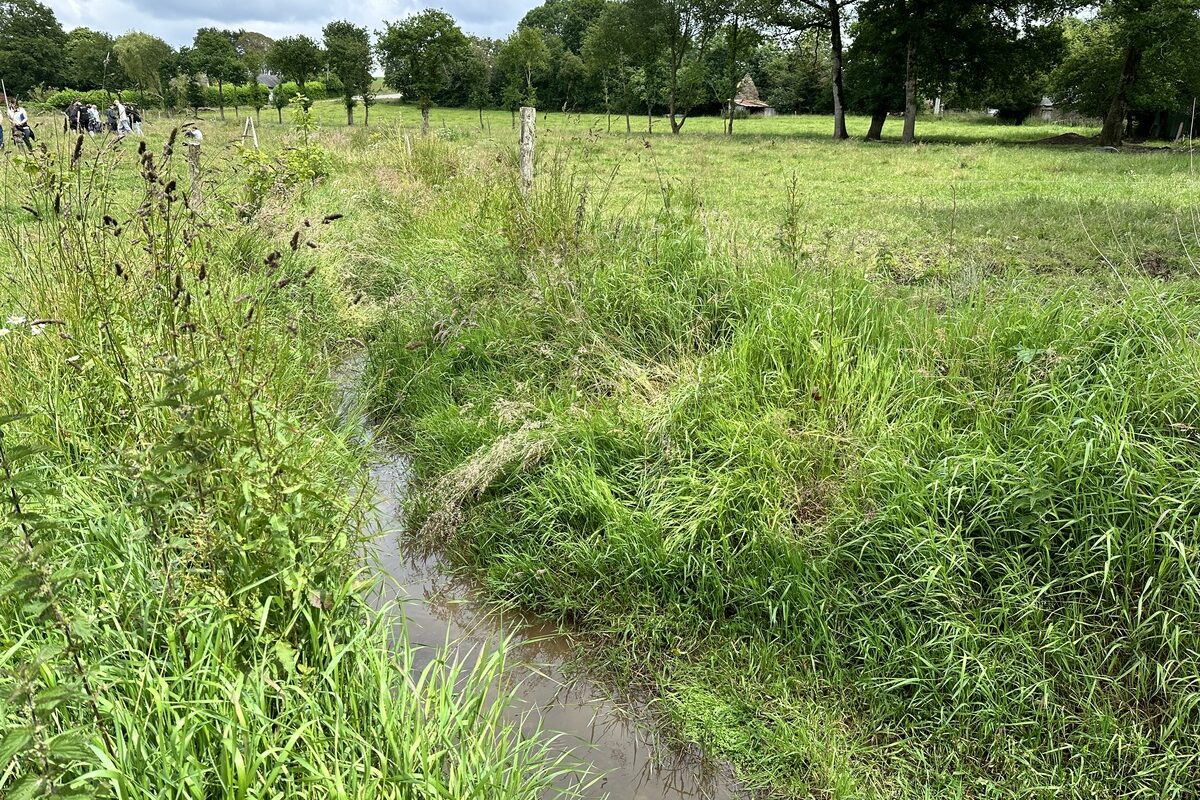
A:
<point x="142" y="57"/>
<point x="523" y="57"/>
<point x="1142" y="28"/>
<point x="90" y="61"/>
<point x="296" y="58"/>
<point x="252" y="48"/>
<point x="421" y="54"/>
<point x="31" y="46"/>
<point x="828" y="16"/>
<point x="569" y="20"/>
<point x="215" y="54"/>
<point x="348" y="47"/>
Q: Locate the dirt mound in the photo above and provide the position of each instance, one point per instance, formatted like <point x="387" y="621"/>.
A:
<point x="1068" y="139"/>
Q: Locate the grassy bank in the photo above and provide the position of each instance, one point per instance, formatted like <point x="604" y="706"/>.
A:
<point x="181" y="583"/>
<point x="867" y="530"/>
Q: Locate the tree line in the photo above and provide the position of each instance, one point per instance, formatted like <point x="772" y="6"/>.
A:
<point x="1129" y="62"/>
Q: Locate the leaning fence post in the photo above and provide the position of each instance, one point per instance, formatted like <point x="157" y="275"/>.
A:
<point x="195" y="198"/>
<point x="528" y="118"/>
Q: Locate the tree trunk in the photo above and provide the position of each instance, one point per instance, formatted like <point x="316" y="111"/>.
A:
<point x="649" y="118"/>
<point x="628" y="123"/>
<point x="279" y="110"/>
<point x="221" y="98"/>
<point x="875" y="132"/>
<point x="424" y="119"/>
<point x="910" y="92"/>
<point x="675" y="124"/>
<point x="732" y="77"/>
<point x="1114" y="120"/>
<point x="481" y="118"/>
<point x="349" y="115"/>
<point x="839" y="91"/>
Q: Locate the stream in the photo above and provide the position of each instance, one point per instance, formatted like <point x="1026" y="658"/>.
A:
<point x="448" y="617"/>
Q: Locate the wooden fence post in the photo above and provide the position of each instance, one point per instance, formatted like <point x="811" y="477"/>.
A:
<point x="195" y="196"/>
<point x="528" y="120"/>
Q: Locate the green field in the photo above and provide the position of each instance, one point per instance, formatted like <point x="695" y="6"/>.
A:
<point x="875" y="465"/>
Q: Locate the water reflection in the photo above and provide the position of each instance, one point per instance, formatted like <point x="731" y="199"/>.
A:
<point x="446" y="617"/>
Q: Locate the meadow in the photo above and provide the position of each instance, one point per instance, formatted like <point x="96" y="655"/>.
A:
<point x="874" y="465"/>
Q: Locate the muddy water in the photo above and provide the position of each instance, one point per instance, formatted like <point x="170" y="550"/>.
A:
<point x="609" y="737"/>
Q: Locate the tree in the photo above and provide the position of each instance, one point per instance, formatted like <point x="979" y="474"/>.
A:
<point x="826" y="15"/>
<point x="569" y="20"/>
<point x="726" y="62"/>
<point x="609" y="58"/>
<point x="295" y="58"/>
<point x="476" y="76"/>
<point x="1015" y="75"/>
<point x="1139" y="26"/>
<point x="213" y="53"/>
<point x="252" y="48"/>
<point x="1087" y="77"/>
<point x="193" y="92"/>
<point x="348" y="48"/>
<point x="796" y="75"/>
<point x="875" y="72"/>
<point x="142" y="57"/>
<point x="666" y="32"/>
<point x="31" y="46"/>
<point x="523" y="57"/>
<point x="90" y="62"/>
<point x="420" y="54"/>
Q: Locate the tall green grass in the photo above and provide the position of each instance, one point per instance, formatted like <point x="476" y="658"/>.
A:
<point x="932" y="537"/>
<point x="181" y="572"/>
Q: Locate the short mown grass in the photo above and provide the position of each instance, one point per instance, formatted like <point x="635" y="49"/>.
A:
<point x="865" y="529"/>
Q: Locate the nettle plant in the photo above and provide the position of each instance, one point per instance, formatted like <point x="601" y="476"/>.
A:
<point x="149" y="472"/>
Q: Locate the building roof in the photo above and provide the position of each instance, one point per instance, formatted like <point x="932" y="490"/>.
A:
<point x="747" y="94"/>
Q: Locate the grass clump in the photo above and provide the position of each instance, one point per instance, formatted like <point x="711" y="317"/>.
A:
<point x="180" y="562"/>
<point x="863" y="536"/>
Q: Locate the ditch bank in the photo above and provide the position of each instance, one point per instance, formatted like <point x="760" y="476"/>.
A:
<point x="611" y="741"/>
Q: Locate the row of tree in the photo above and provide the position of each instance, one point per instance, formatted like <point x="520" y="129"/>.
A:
<point x="36" y="53"/>
<point x="1130" y="62"/>
<point x="1127" y="61"/>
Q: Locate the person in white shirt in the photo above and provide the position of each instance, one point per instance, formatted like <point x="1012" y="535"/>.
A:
<point x="123" y="126"/>
<point x="21" y="129"/>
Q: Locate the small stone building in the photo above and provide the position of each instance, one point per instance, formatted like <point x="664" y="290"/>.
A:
<point x="747" y="101"/>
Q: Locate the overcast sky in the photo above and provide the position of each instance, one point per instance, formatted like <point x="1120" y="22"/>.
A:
<point x="177" y="21"/>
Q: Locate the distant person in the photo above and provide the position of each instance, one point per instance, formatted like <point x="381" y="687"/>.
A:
<point x="20" y="125"/>
<point x="74" y="116"/>
<point x="135" y="116"/>
<point x="111" y="115"/>
<point x="93" y="119"/>
<point x="123" y="126"/>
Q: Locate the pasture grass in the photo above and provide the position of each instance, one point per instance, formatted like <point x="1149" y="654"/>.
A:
<point x="874" y="464"/>
<point x="864" y="529"/>
<point x="181" y="576"/>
